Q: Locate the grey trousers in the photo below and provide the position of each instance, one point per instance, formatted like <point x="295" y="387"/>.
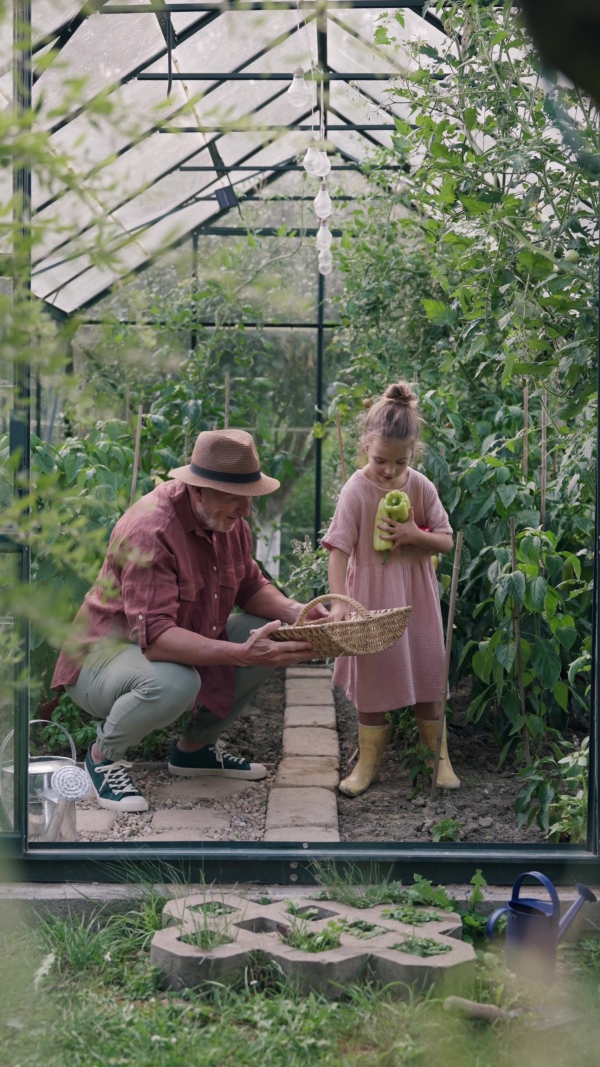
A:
<point x="133" y="696"/>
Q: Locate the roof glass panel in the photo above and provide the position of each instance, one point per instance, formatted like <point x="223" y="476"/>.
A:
<point x="47" y="16"/>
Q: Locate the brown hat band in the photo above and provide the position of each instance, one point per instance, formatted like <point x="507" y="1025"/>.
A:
<point x="219" y="476"/>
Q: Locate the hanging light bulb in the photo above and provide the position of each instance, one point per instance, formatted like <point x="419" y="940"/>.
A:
<point x="322" y="165"/>
<point x="298" y="94"/>
<point x="322" y="202"/>
<point x="325" y="262"/>
<point x="324" y="237"/>
<point x="311" y="157"/>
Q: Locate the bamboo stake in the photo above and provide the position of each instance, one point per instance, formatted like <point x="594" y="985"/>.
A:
<point x="449" y="631"/>
<point x="517" y="632"/>
<point x="341" y="444"/>
<point x="544" y="471"/>
<point x="227" y="397"/>
<point x="136" y="454"/>
<point x="526" y="429"/>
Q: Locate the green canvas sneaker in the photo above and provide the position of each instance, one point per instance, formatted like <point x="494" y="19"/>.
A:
<point x="113" y="786"/>
<point x="213" y="759"/>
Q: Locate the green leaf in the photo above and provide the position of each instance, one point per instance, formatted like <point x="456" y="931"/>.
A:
<point x="535" y="593"/>
<point x="515" y="586"/>
<point x="505" y="654"/>
<point x="561" y="694"/>
<point x="507" y="494"/>
<point x="470" y="117"/>
<point x="545" y="662"/>
<point x="438" y="312"/>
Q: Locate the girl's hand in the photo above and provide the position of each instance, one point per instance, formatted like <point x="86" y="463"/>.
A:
<point x="399" y="533"/>
<point x="337" y="611"/>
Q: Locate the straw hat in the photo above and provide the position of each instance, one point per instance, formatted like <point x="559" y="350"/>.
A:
<point x="226" y="460"/>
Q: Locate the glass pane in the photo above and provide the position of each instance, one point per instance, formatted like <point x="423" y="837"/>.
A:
<point x="47" y="16"/>
<point x="8" y="576"/>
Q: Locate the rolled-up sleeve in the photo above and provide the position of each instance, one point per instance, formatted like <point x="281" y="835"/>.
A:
<point x="149" y="590"/>
<point x="343" y="532"/>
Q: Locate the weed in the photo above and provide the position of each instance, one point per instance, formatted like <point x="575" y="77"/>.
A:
<point x="422" y="946"/>
<point x="298" y="907"/>
<point x="365" y="930"/>
<point x="299" y="936"/>
<point x="446" y="830"/>
<point x="411" y="915"/>
<point x="206" y="938"/>
<point x="347" y="889"/>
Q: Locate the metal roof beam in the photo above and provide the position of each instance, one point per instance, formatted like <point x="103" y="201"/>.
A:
<point x="286" y="76"/>
<point x="264" y="5"/>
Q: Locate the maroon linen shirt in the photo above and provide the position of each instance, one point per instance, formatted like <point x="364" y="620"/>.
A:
<point x="162" y="570"/>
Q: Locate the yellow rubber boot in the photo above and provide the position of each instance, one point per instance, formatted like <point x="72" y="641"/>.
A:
<point x="372" y="742"/>
<point x="428" y="729"/>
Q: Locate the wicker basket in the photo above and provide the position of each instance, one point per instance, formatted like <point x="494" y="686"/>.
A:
<point x="368" y="632"/>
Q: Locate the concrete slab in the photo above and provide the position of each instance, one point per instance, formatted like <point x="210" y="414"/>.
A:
<point x="310" y="716"/>
<point x="368" y="942"/>
<point x="301" y="807"/>
<point x="94" y="820"/>
<point x="301" y="835"/>
<point x="310" y="741"/>
<point x="191" y="789"/>
<point x="191" y="824"/>
<point x="308" y="672"/>
<point x="297" y="771"/>
<point x="300" y="692"/>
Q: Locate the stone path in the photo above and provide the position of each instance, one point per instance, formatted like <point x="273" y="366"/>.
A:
<point x="302" y="807"/>
<point x="295" y="802"/>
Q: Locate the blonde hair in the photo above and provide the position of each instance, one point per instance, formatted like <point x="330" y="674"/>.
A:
<point x="392" y="416"/>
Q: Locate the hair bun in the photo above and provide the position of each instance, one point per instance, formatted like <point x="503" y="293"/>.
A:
<point x="401" y="393"/>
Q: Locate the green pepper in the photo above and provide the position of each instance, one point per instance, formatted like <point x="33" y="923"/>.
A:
<point x="395" y="505"/>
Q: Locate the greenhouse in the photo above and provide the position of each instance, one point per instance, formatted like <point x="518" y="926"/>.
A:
<point x="259" y="216"/>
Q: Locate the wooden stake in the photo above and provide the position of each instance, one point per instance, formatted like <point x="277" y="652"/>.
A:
<point x="416" y="377"/>
<point x="517" y="633"/>
<point x="544" y="470"/>
<point x="526" y="431"/>
<point x="227" y="397"/>
<point x="341" y="444"/>
<point x="449" y="631"/>
<point x="136" y="454"/>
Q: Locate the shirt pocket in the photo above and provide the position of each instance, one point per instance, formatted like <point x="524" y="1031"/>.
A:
<point x="230" y="579"/>
<point x="190" y="591"/>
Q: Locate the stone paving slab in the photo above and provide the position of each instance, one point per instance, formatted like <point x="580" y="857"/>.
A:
<point x="310" y="741"/>
<point x="310" y="716"/>
<point x="201" y="788"/>
<point x="94" y="820"/>
<point x="301" y="807"/>
<point x="302" y="834"/>
<point x="308" y="771"/>
<point x="301" y="691"/>
<point x="308" y="672"/>
<point x="369" y="943"/>
<point x="189" y="824"/>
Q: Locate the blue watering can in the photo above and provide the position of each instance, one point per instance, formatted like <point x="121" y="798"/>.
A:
<point x="534" y="928"/>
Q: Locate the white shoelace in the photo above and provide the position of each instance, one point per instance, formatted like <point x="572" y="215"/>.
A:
<point x="116" y="777"/>
<point x="221" y="754"/>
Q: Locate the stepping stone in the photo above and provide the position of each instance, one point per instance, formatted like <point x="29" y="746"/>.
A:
<point x="306" y="834"/>
<point x="310" y="716"/>
<point x="95" y="820"/>
<point x="298" y="693"/>
<point x="308" y="672"/>
<point x="301" y="807"/>
<point x="369" y="942"/>
<point x="308" y="771"/>
<point x="190" y="789"/>
<point x="310" y="741"/>
<point x="187" y="825"/>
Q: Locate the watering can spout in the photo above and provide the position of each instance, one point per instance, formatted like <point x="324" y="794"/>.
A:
<point x="585" y="894"/>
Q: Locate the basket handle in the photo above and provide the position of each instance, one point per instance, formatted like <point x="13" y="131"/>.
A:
<point x="360" y="610"/>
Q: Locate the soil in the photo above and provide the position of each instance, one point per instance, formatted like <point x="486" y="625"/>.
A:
<point x="484" y="806"/>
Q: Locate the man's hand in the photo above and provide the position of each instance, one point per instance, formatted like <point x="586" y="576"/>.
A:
<point x="260" y="651"/>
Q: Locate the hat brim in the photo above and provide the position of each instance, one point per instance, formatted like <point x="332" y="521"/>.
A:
<point x="260" y="488"/>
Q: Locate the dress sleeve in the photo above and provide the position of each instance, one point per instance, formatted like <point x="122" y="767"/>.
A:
<point x="436" y="516"/>
<point x="344" y="528"/>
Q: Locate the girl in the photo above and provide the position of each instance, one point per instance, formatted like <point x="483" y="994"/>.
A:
<point x="412" y="670"/>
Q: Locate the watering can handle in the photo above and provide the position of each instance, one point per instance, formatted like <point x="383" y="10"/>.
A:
<point x="57" y="724"/>
<point x="547" y="884"/>
<point x="490" y="925"/>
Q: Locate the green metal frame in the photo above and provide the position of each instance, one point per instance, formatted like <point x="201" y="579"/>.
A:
<point x="284" y="863"/>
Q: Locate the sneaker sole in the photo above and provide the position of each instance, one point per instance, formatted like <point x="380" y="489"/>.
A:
<point x="133" y="804"/>
<point x="201" y="772"/>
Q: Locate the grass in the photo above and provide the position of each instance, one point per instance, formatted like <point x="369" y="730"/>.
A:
<point x="82" y="993"/>
<point x="422" y="946"/>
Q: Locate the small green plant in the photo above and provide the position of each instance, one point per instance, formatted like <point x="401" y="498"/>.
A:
<point x="555" y="793"/>
<point x="299" y="908"/>
<point x="422" y="946"/>
<point x="412" y="755"/>
<point x="206" y="938"/>
<point x="299" y="936"/>
<point x="474" y="925"/>
<point x="411" y="915"/>
<point x="446" y="830"/>
<point x="349" y="888"/>
<point x="363" y="929"/>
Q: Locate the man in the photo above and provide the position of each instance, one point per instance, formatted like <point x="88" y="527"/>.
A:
<point x="156" y="637"/>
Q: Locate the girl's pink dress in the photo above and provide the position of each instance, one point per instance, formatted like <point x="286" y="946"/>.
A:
<point x="412" y="670"/>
